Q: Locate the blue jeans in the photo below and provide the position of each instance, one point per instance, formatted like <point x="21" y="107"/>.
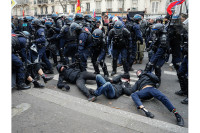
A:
<point x="104" y="87"/>
<point x="150" y="92"/>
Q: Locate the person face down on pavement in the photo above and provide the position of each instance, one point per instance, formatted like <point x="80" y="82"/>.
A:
<point x="74" y="75"/>
<point x="114" y="88"/>
<point x="146" y="86"/>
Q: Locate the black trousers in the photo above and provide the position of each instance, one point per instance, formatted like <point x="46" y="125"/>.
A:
<point x="80" y="82"/>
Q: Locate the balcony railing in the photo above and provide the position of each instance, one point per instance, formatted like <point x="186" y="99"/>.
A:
<point x="42" y="2"/>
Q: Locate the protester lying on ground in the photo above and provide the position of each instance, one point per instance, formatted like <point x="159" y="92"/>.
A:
<point x="146" y="86"/>
<point x="116" y="87"/>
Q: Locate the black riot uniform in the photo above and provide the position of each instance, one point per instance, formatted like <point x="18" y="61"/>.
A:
<point x="121" y="43"/>
<point x="99" y="51"/>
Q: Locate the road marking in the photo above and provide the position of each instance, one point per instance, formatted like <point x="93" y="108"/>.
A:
<point x="20" y="108"/>
<point x="112" y="115"/>
<point x="56" y="77"/>
<point x="170" y="73"/>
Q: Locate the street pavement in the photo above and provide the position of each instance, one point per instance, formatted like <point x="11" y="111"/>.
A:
<point x="52" y="110"/>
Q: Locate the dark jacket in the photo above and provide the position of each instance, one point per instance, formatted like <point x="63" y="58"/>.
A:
<point x="68" y="74"/>
<point x="121" y="87"/>
<point x="145" y="79"/>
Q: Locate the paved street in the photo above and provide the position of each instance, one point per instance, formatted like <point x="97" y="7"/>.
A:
<point x="52" y="110"/>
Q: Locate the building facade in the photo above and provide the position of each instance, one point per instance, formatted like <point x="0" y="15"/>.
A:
<point x="44" y="7"/>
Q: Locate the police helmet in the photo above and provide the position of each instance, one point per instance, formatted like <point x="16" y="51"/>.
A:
<point x="137" y="17"/>
<point x="176" y="20"/>
<point x="78" y="16"/>
<point x="75" y="27"/>
<point x="118" y="25"/>
<point x="37" y="23"/>
<point x="88" y="17"/>
<point x="68" y="20"/>
<point x="27" y="18"/>
<point x="54" y="16"/>
<point x="158" y="27"/>
<point x="114" y="19"/>
<point x="48" y="23"/>
<point x="159" y="18"/>
<point x="25" y="34"/>
<point x="97" y="33"/>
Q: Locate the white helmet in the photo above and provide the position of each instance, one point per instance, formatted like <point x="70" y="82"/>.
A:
<point x="115" y="18"/>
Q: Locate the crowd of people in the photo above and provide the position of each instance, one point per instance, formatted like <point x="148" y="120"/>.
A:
<point x="123" y="39"/>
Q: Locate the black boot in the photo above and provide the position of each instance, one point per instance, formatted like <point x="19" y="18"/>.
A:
<point x="38" y="85"/>
<point x="96" y="68"/>
<point x="158" y="74"/>
<point x="23" y="86"/>
<point x="105" y="71"/>
<point x="114" y="65"/>
<point x="183" y="84"/>
<point x="148" y="67"/>
<point x="113" y="73"/>
<point x="179" y="119"/>
<point x="125" y="65"/>
<point x="185" y="101"/>
<point x="61" y="55"/>
<point x="147" y="113"/>
<point x="45" y="78"/>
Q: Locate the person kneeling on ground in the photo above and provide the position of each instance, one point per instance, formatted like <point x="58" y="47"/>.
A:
<point x="72" y="74"/>
<point x="147" y="90"/>
<point x="116" y="87"/>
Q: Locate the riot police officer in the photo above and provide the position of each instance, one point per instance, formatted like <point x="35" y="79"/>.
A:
<point x="79" y="19"/>
<point x="40" y="40"/>
<point x="84" y="42"/>
<point x="99" y="52"/>
<point x="51" y="38"/>
<point x="183" y="70"/>
<point x="174" y="34"/>
<point x="161" y="49"/>
<point x="58" y="24"/>
<point x="88" y="22"/>
<point x="17" y="64"/>
<point x="68" y="40"/>
<point x="136" y="35"/>
<point x="121" y="43"/>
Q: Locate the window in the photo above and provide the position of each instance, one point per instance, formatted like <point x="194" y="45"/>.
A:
<point x="35" y="11"/>
<point x="134" y="5"/>
<point x="41" y="9"/>
<point x="120" y="3"/>
<point x="65" y="8"/>
<point x="35" y="1"/>
<point x="73" y="7"/>
<point x="46" y="10"/>
<point x="52" y="0"/>
<point x="109" y="5"/>
<point x="88" y="6"/>
<point x="27" y="11"/>
<point x="154" y="7"/>
<point x="98" y="5"/>
<point x="52" y="9"/>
